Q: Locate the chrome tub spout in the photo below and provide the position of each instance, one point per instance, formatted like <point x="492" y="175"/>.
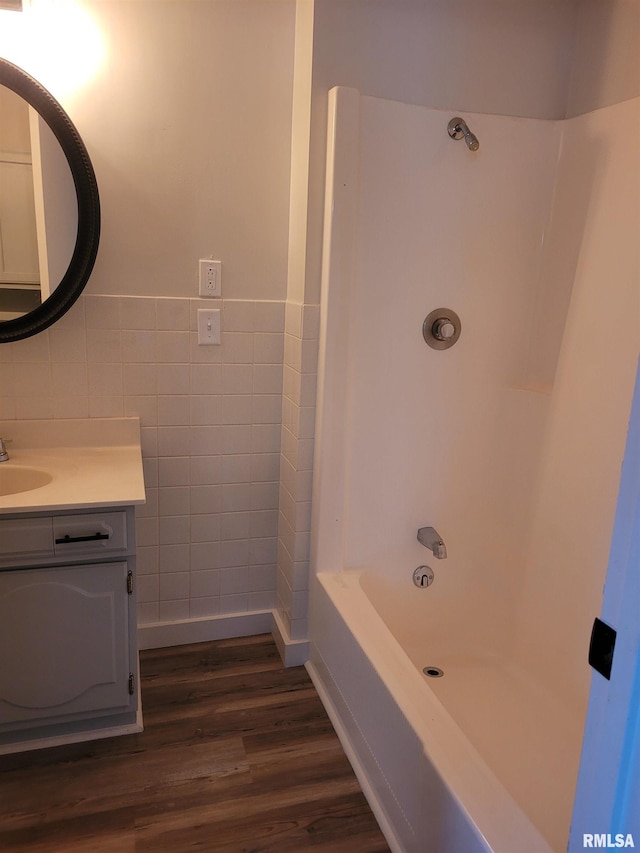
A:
<point x="431" y="539"/>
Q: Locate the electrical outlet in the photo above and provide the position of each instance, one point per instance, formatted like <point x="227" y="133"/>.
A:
<point x="209" y="278"/>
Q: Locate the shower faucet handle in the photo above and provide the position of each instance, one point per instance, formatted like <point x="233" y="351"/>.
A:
<point x="443" y="329"/>
<point x="430" y="538"/>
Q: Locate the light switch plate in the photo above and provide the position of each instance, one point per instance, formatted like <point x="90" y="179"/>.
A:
<point x="208" y="326"/>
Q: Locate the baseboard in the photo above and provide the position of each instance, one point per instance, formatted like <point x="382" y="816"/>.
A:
<point x="158" y="635"/>
<point x="42" y="742"/>
<point x="292" y="652"/>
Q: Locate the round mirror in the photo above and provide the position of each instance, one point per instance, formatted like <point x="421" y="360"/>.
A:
<point x="49" y="208"/>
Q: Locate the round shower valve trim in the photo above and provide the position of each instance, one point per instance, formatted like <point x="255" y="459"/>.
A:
<point x="423" y="576"/>
<point x="441" y="328"/>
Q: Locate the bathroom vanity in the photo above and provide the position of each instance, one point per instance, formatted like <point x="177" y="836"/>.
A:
<point x="68" y="649"/>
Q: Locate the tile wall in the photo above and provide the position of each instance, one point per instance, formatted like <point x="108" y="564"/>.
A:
<point x="211" y="435"/>
<point x="296" y="464"/>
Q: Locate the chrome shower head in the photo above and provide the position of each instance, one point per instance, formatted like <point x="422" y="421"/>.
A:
<point x="458" y="129"/>
<point x="472" y="141"/>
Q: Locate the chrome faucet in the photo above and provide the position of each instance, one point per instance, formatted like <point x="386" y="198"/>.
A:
<point x="4" y="456"/>
<point x="430" y="538"/>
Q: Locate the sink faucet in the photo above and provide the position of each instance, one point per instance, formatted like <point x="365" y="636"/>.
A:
<point x="4" y="456"/>
<point x="430" y="538"/>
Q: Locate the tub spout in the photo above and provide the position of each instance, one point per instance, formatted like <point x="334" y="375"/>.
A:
<point x="430" y="538"/>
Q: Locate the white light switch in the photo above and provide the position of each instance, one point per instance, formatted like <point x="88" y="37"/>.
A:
<point x="208" y="326"/>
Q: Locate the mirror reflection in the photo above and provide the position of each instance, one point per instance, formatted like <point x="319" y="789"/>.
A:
<point x="38" y="208"/>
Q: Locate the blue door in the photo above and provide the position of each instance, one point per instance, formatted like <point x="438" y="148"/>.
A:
<point x="607" y="805"/>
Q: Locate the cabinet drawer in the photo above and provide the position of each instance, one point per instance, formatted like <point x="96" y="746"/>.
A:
<point x="95" y="533"/>
<point x="25" y="537"/>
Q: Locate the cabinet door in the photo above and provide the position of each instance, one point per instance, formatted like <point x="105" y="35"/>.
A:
<point x="64" y="642"/>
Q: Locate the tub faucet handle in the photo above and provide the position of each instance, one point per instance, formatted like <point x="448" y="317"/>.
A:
<point x="430" y="538"/>
<point x="4" y="456"/>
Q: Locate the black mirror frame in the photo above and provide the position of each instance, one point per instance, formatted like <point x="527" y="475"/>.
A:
<point x="84" y="179"/>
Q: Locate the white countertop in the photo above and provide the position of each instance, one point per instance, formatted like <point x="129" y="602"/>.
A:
<point x="93" y="462"/>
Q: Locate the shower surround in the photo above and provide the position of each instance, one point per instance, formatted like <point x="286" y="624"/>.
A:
<point x="509" y="443"/>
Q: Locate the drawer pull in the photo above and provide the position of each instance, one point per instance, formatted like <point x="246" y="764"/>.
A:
<point x="94" y="538"/>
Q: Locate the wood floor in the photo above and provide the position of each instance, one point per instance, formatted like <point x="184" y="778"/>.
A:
<point x="238" y="754"/>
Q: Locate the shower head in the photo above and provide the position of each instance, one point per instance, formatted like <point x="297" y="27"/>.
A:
<point x="458" y="129"/>
<point x="472" y="141"/>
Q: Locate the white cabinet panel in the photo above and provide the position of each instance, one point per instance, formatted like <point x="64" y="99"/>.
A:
<point x="68" y="644"/>
<point x="64" y="642"/>
<point x="25" y="537"/>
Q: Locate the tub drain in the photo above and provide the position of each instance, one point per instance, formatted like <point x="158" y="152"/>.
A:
<point x="433" y="671"/>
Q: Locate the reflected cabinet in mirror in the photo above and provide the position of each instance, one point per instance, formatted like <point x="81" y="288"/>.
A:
<point x="49" y="208"/>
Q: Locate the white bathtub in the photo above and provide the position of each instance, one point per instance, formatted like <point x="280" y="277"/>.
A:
<point x="482" y="758"/>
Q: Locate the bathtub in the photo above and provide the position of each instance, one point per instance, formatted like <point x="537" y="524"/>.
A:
<point x="482" y="758"/>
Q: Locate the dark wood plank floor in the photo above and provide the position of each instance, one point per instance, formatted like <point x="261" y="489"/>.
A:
<point x="238" y="754"/>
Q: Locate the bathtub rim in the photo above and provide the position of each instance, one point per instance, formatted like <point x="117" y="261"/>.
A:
<point x="497" y="819"/>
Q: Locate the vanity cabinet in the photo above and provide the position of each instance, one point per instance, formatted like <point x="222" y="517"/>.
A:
<point x="68" y="650"/>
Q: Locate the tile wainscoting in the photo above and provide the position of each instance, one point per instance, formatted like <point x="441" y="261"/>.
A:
<point x="302" y="324"/>
<point x="227" y="456"/>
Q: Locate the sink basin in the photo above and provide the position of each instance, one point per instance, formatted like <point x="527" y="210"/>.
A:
<point x="70" y="463"/>
<point x="15" y="479"/>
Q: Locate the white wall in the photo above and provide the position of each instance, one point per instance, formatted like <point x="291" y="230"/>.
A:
<point x="491" y="56"/>
<point x="537" y="59"/>
<point x="606" y="67"/>
<point x="585" y="435"/>
<point x="188" y="124"/>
